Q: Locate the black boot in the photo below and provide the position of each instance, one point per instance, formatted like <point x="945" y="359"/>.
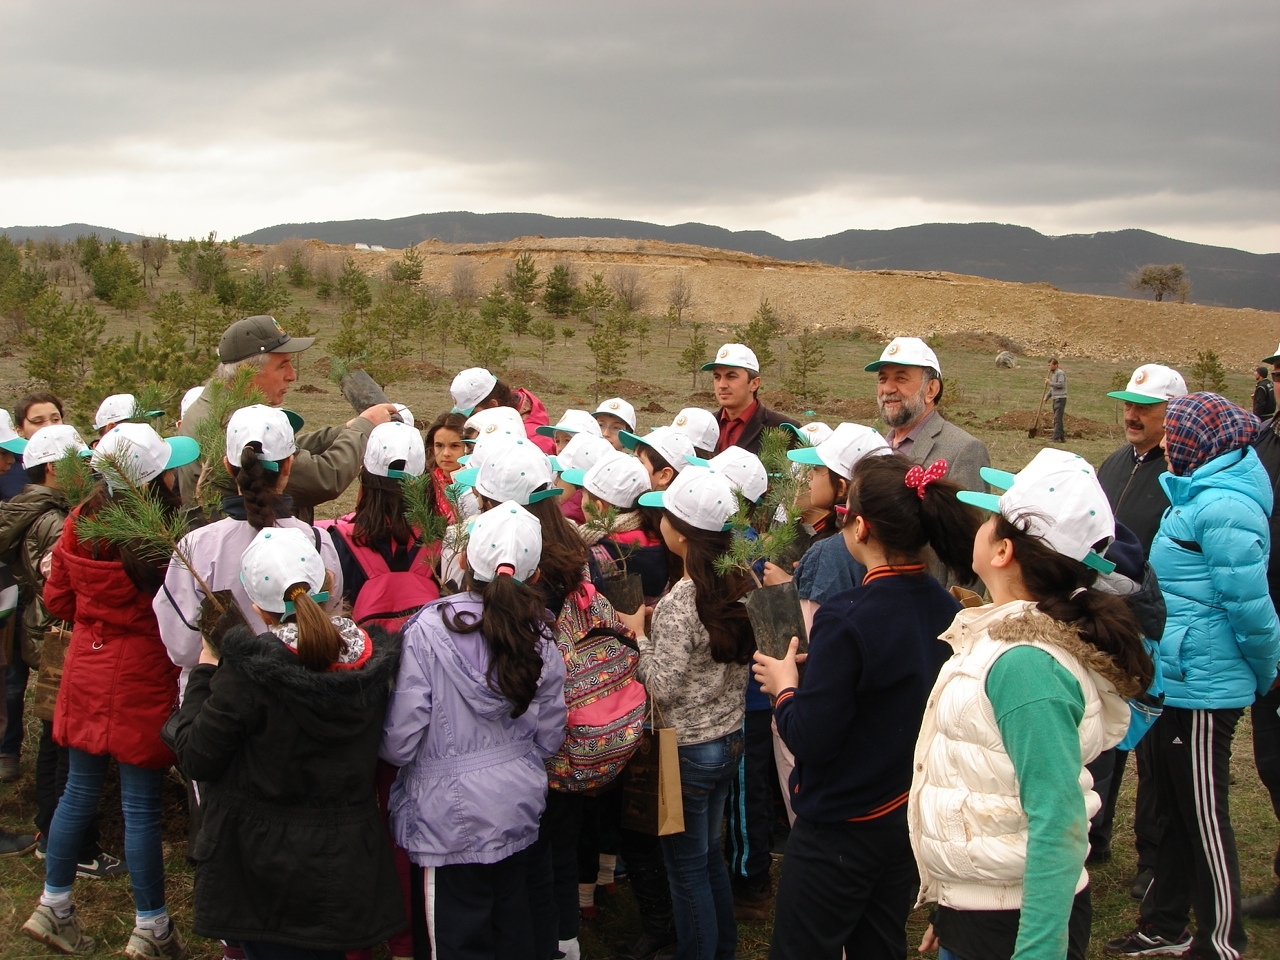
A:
<point x="1265" y="906"/>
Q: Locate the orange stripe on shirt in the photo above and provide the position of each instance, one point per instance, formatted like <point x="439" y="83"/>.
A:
<point x="883" y="809"/>
<point x="892" y="570"/>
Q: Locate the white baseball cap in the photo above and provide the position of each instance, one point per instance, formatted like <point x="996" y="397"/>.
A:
<point x="491" y="420"/>
<point x="140" y="453"/>
<point x="395" y="442"/>
<point x="517" y="471"/>
<point x="700" y="426"/>
<point x="617" y="407"/>
<point x="267" y="427"/>
<point x="470" y="387"/>
<point x="673" y="446"/>
<point x="700" y="497"/>
<point x="1152" y="383"/>
<point x="9" y="438"/>
<point x="841" y="451"/>
<point x="582" y="452"/>
<point x="811" y="434"/>
<point x="191" y="396"/>
<point x="121" y="408"/>
<point x="405" y="414"/>
<point x="50" y="443"/>
<point x="1273" y="358"/>
<point x="618" y="480"/>
<point x="745" y="471"/>
<point x="734" y="355"/>
<point x="276" y="559"/>
<point x="1059" y="498"/>
<point x="573" y="421"/>
<point x="508" y="536"/>
<point x="907" y="352"/>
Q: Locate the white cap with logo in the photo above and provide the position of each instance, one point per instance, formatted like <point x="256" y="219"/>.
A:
<point x="51" y="443"/>
<point x="572" y="421"/>
<point x="673" y="446"/>
<point x="582" y="452"/>
<point x="470" y="387"/>
<point x="700" y="497"/>
<point x="395" y="442"/>
<point x="504" y="540"/>
<point x="743" y="468"/>
<point x="120" y="408"/>
<point x="278" y="558"/>
<point x="841" y="451"/>
<point x="734" y="355"/>
<point x="617" y="407"/>
<point x="141" y="454"/>
<point x="618" y="480"/>
<point x="266" y="427"/>
<point x="701" y="426"/>
<point x="907" y="352"/>
<point x="516" y="470"/>
<point x="191" y="396"/>
<point x="493" y="420"/>
<point x="811" y="434"/>
<point x="1152" y="383"/>
<point x="9" y="438"/>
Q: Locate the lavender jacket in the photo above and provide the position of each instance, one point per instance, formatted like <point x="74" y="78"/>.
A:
<point x="472" y="785"/>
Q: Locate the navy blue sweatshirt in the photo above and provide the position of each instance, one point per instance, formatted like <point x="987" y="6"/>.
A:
<point x="874" y="655"/>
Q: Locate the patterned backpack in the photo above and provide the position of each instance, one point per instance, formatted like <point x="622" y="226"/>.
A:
<point x="606" y="702"/>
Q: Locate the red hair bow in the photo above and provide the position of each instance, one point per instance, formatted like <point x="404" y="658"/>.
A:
<point x="918" y="479"/>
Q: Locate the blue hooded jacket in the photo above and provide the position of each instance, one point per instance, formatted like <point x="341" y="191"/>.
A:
<point x="1222" y="639"/>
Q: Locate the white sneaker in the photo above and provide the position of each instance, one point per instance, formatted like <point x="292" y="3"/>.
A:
<point x="63" y="935"/>
<point x="145" y="945"/>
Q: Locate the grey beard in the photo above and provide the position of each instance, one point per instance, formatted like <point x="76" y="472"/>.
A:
<point x="912" y="409"/>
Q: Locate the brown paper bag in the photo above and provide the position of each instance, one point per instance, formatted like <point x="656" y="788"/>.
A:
<point x="967" y="598"/>
<point x="651" y="799"/>
<point x="53" y="652"/>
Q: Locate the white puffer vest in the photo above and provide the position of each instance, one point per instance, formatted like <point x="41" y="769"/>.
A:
<point x="968" y="828"/>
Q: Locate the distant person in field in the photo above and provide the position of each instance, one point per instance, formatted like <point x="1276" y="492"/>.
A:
<point x="328" y="460"/>
<point x="1055" y="389"/>
<point x="1264" y="394"/>
<point x="736" y="374"/>
<point x="908" y="395"/>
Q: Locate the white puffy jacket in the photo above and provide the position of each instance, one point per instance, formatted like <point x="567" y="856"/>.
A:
<point x="968" y="828"/>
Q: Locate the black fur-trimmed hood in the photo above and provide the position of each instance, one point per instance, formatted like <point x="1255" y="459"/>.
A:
<point x="265" y="659"/>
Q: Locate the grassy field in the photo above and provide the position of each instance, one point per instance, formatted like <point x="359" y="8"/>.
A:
<point x="996" y="405"/>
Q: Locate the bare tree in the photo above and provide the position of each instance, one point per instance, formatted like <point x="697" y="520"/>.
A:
<point x="628" y="288"/>
<point x="679" y="299"/>
<point x="464" y="288"/>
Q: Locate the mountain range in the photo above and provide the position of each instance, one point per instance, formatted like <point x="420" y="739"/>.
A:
<point x="1099" y="263"/>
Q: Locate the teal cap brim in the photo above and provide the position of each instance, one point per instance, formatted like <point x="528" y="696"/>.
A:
<point x="806" y="455"/>
<point x="16" y="445"/>
<point x="795" y="431"/>
<point x="295" y="420"/>
<point x="467" y="478"/>
<point x="697" y="461"/>
<point x="464" y="458"/>
<point x="545" y="494"/>
<point x="144" y="417"/>
<point x="1135" y="397"/>
<point x="1098" y="562"/>
<point x="984" y="501"/>
<point x="555" y="463"/>
<point x="997" y="478"/>
<point x="629" y="440"/>
<point x="182" y="450"/>
<point x="651" y="499"/>
<point x="465" y="411"/>
<point x="551" y="431"/>
<point x="573" y="476"/>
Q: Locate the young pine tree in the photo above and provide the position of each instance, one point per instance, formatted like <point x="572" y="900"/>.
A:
<point x="807" y="356"/>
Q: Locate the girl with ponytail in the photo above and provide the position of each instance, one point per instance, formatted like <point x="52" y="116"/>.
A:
<point x="874" y="654"/>
<point x="477" y="710"/>
<point x="259" y="456"/>
<point x="1035" y="689"/>
<point x="280" y="731"/>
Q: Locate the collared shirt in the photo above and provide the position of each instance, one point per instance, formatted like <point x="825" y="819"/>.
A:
<point x="904" y="445"/>
<point x="731" y="430"/>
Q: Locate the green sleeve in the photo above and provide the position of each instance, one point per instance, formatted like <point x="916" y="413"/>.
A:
<point x="1038" y="706"/>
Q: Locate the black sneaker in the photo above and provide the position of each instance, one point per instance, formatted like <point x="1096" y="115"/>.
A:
<point x="1142" y="883"/>
<point x="1142" y="941"/>
<point x="102" y="867"/>
<point x="1265" y="906"/>
<point x="16" y="844"/>
<point x="42" y="846"/>
<point x="646" y="947"/>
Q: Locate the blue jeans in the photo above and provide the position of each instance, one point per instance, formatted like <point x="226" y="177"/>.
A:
<point x="140" y="801"/>
<point x="700" y="894"/>
<point x="945" y="954"/>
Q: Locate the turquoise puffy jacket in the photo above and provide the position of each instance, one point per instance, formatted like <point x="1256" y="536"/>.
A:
<point x="1221" y="639"/>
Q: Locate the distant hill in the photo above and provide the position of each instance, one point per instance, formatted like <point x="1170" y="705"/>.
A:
<point x="1093" y="263"/>
<point x="68" y="231"/>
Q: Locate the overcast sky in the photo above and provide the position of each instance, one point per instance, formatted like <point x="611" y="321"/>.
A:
<point x="803" y="119"/>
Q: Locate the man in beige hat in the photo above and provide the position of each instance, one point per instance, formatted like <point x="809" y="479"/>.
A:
<point x="328" y="459"/>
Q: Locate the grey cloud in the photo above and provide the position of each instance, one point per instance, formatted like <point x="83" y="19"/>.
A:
<point x="988" y="104"/>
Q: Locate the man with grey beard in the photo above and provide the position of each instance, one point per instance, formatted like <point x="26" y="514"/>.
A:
<point x="909" y="390"/>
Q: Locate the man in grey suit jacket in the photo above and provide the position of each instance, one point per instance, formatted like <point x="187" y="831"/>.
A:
<point x="910" y="386"/>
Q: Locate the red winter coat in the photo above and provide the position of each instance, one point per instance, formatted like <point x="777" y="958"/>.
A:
<point x="534" y="415"/>
<point x="118" y="684"/>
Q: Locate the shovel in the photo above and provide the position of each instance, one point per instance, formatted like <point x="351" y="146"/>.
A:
<point x="1036" y="429"/>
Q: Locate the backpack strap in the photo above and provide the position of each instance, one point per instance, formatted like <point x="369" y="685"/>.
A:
<point x="371" y="561"/>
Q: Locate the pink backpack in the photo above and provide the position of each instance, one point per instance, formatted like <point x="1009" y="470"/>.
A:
<point x="389" y="597"/>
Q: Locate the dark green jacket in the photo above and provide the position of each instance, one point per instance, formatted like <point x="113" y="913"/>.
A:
<point x="30" y="525"/>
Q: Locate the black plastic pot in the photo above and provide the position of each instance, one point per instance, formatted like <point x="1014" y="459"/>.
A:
<point x="776" y="618"/>
<point x="626" y="593"/>
<point x="362" y="391"/>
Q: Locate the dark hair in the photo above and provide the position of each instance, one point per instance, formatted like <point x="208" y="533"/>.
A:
<point x="446" y="421"/>
<point x="716" y="597"/>
<point x="830" y="523"/>
<point x="513" y="622"/>
<point x="21" y="408"/>
<point x="1103" y="620"/>
<point x="932" y="374"/>
<point x="262" y="506"/>
<point x="379" y="516"/>
<point x="657" y="462"/>
<point x="500" y="396"/>
<point x="38" y="473"/>
<point x="563" y="553"/>
<point x="651" y="523"/>
<point x="1053" y="360"/>
<point x="319" y="640"/>
<point x="1262" y="372"/>
<point x="143" y="564"/>
<point x="904" y="523"/>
